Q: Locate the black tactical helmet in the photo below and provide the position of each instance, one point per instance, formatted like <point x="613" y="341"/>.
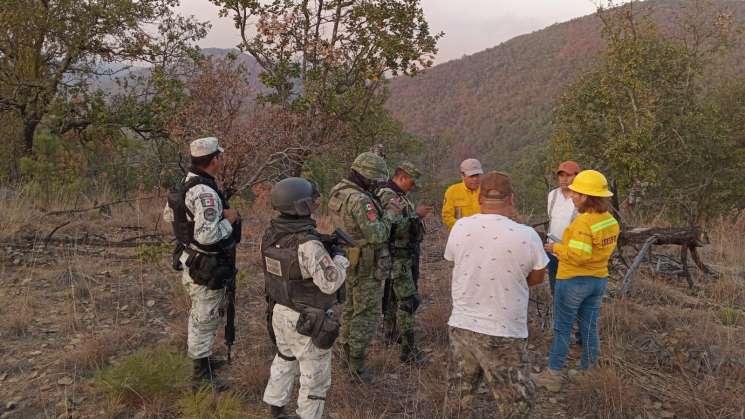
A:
<point x="293" y="196"/>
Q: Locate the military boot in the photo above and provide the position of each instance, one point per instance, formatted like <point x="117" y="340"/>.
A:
<point x="359" y="372"/>
<point x="410" y="353"/>
<point x="279" y="412"/>
<point x="204" y="374"/>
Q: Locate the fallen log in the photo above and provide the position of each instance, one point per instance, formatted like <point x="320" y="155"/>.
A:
<point x="683" y="236"/>
<point x="688" y="238"/>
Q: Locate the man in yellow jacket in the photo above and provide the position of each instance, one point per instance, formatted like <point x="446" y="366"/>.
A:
<point x="462" y="199"/>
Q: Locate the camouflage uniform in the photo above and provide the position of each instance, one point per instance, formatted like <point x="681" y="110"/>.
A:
<point x="354" y="210"/>
<point x="399" y="311"/>
<point x="502" y="361"/>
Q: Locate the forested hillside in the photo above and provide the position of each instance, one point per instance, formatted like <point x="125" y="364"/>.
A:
<point x="495" y="103"/>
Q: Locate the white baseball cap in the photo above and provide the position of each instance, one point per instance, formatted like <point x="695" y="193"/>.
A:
<point x="470" y="167"/>
<point x="204" y="147"/>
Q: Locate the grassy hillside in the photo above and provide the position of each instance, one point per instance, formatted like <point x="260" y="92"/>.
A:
<point x="95" y="327"/>
<point x="495" y="103"/>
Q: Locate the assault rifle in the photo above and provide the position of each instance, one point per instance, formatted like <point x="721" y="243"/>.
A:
<point x="230" y="284"/>
<point x="338" y="238"/>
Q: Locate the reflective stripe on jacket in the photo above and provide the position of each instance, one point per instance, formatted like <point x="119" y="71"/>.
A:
<point x="587" y="245"/>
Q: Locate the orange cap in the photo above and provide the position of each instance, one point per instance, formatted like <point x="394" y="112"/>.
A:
<point x="568" y="167"/>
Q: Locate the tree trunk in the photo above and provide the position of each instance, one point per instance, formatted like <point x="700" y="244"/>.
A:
<point x="29" y="129"/>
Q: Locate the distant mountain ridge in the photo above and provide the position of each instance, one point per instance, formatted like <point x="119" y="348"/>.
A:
<point x="494" y="103"/>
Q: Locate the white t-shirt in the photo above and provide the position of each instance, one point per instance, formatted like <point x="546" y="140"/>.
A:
<point x="493" y="256"/>
<point x="562" y="213"/>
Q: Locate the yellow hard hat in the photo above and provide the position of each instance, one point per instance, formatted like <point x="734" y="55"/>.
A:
<point x="592" y="183"/>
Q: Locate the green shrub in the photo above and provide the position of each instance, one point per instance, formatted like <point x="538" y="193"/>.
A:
<point x="729" y="316"/>
<point x="153" y="253"/>
<point x="147" y="376"/>
<point x="205" y="404"/>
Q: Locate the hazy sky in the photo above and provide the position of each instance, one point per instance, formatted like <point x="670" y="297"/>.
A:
<point x="469" y="25"/>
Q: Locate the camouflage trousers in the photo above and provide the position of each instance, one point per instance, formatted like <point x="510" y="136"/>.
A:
<point x="312" y="365"/>
<point x="401" y="287"/>
<point x="502" y="361"/>
<point x="361" y="311"/>
<point x="204" y="317"/>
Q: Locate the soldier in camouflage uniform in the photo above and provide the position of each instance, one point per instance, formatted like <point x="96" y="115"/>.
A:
<point x="401" y="296"/>
<point x="354" y="209"/>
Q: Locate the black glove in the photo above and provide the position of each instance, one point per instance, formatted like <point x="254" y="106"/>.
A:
<point x="410" y="303"/>
<point x="337" y="249"/>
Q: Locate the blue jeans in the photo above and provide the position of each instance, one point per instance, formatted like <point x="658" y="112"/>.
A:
<point x="553" y="268"/>
<point x="577" y="298"/>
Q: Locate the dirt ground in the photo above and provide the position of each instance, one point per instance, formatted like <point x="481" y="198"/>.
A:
<point x="91" y="294"/>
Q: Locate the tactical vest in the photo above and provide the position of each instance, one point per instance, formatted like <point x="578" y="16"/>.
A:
<point x="183" y="227"/>
<point x="410" y="231"/>
<point x="284" y="281"/>
<point x="338" y="201"/>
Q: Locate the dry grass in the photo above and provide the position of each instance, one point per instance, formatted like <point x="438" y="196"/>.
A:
<point x="94" y="351"/>
<point x="665" y="348"/>
<point x="16" y="211"/>
<point x="18" y="320"/>
<point x="252" y="372"/>
<point x="18" y="312"/>
<point x="603" y="394"/>
<point x="728" y="291"/>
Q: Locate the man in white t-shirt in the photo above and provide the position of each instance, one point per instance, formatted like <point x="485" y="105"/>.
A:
<point x="496" y="261"/>
<point x="561" y="213"/>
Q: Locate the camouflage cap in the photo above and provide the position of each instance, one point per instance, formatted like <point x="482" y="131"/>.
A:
<point x="371" y="166"/>
<point x="410" y="169"/>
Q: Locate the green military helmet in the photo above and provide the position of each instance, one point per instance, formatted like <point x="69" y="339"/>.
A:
<point x="410" y="169"/>
<point x="371" y="166"/>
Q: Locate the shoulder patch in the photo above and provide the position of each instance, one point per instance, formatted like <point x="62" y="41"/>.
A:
<point x="207" y="199"/>
<point x="372" y="213"/>
<point x="210" y="214"/>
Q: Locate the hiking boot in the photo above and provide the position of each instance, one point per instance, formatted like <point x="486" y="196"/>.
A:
<point x="278" y="412"/>
<point x="410" y="353"/>
<point x="549" y="379"/>
<point x="204" y="374"/>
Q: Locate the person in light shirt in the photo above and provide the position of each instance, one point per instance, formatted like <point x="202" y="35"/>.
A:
<point x="496" y="261"/>
<point x="560" y="212"/>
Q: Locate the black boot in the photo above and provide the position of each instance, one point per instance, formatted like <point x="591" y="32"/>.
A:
<point x="278" y="412"/>
<point x="204" y="374"/>
<point x="410" y="353"/>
